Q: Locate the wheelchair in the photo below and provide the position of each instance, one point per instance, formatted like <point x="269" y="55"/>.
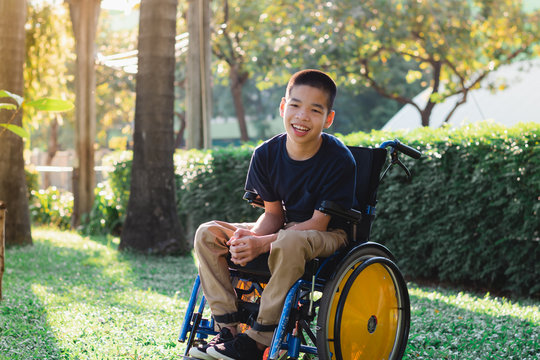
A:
<point x="351" y="305"/>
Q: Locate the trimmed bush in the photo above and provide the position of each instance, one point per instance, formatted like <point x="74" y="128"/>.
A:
<point x="212" y="186"/>
<point x="471" y="213"/>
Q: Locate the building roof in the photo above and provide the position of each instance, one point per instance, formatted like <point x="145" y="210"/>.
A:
<point x="518" y="101"/>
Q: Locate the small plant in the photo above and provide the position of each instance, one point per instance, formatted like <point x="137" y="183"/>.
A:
<point x="51" y="207"/>
<point x="43" y="104"/>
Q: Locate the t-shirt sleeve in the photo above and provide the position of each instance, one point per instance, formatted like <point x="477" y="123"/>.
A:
<point x="258" y="178"/>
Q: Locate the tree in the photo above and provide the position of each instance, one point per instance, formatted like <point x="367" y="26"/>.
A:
<point x="13" y="189"/>
<point x="152" y="224"/>
<point x="451" y="45"/>
<point x="241" y="42"/>
<point x="84" y="17"/>
<point x="199" y="94"/>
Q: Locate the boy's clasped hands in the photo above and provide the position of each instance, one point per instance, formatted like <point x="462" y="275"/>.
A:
<point x="244" y="246"/>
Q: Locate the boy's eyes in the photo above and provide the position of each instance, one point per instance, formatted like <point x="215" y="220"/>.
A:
<point x="316" y="110"/>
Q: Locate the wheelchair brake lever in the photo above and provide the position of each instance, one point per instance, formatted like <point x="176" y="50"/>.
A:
<point x="401" y="165"/>
<point x="395" y="160"/>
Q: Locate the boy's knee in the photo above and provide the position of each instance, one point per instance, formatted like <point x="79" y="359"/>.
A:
<point x="202" y="234"/>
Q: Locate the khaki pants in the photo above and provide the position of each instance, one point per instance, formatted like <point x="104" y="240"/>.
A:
<point x="287" y="259"/>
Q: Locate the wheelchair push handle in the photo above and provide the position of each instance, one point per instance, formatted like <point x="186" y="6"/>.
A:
<point x="407" y="150"/>
<point x="396" y="148"/>
<point x="403" y="148"/>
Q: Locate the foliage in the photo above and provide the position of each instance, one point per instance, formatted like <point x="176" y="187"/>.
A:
<point x="48" y="71"/>
<point x="451" y="45"/>
<point x="32" y="180"/>
<point x="115" y="89"/>
<point x="51" y="207"/>
<point x="43" y="104"/>
<point x="74" y="297"/>
<point x="212" y="185"/>
<point x="105" y="217"/>
<point x="270" y="40"/>
<point x="470" y="214"/>
<point x="111" y="197"/>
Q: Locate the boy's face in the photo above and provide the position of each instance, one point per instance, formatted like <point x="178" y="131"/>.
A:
<point x="305" y="114"/>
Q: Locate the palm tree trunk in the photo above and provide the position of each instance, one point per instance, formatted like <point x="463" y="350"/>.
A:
<point x="12" y="177"/>
<point x="84" y="17"/>
<point x="152" y="224"/>
<point x="199" y="92"/>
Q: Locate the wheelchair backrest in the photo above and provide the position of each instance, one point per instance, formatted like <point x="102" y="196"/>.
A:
<point x="369" y="163"/>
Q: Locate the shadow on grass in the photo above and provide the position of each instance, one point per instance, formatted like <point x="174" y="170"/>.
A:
<point x="69" y="297"/>
<point x="25" y="332"/>
<point x="76" y="297"/>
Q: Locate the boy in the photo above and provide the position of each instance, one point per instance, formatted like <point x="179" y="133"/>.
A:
<point x="292" y="173"/>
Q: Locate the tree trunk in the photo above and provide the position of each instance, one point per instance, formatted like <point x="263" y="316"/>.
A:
<point x="52" y="149"/>
<point x="152" y="224"/>
<point x="2" y="243"/>
<point x="179" y="142"/>
<point x="237" y="83"/>
<point x="84" y="18"/>
<point x="199" y="92"/>
<point x="12" y="177"/>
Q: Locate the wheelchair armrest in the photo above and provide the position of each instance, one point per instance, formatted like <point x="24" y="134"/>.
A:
<point x="253" y="199"/>
<point x="331" y="208"/>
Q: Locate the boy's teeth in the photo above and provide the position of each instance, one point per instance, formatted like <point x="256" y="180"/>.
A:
<point x="302" y="128"/>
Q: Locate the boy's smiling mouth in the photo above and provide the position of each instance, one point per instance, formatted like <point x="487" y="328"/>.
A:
<point x="299" y="128"/>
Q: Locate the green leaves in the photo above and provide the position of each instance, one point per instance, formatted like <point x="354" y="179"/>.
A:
<point x="470" y="213"/>
<point x="6" y="94"/>
<point x="8" y="106"/>
<point x="17" y="130"/>
<point x="49" y="104"/>
<point x="43" y="104"/>
<point x="12" y="107"/>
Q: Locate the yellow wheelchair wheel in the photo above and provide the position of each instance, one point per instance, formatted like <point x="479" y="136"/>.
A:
<point x="365" y="309"/>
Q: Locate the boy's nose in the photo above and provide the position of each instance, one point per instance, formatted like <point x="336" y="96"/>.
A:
<point x="301" y="114"/>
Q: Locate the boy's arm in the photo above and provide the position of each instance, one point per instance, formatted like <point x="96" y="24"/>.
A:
<point x="271" y="220"/>
<point x="319" y="221"/>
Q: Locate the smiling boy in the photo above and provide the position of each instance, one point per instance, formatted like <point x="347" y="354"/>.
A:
<point x="293" y="173"/>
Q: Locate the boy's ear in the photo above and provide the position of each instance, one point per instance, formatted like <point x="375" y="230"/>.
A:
<point x="329" y="119"/>
<point x="282" y="106"/>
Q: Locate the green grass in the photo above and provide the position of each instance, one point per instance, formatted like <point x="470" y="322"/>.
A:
<point x="73" y="297"/>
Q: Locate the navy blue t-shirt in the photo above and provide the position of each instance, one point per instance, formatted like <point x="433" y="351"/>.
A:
<point x="302" y="186"/>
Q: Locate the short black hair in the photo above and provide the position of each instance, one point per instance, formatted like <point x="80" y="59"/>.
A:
<point x="316" y="79"/>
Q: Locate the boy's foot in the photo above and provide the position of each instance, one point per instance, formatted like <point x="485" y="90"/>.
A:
<point x="242" y="347"/>
<point x="199" y="352"/>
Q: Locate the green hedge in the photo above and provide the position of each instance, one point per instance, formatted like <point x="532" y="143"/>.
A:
<point x="209" y="186"/>
<point x="470" y="215"/>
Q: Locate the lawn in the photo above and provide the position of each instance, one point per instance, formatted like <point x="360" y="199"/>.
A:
<point x="73" y="297"/>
